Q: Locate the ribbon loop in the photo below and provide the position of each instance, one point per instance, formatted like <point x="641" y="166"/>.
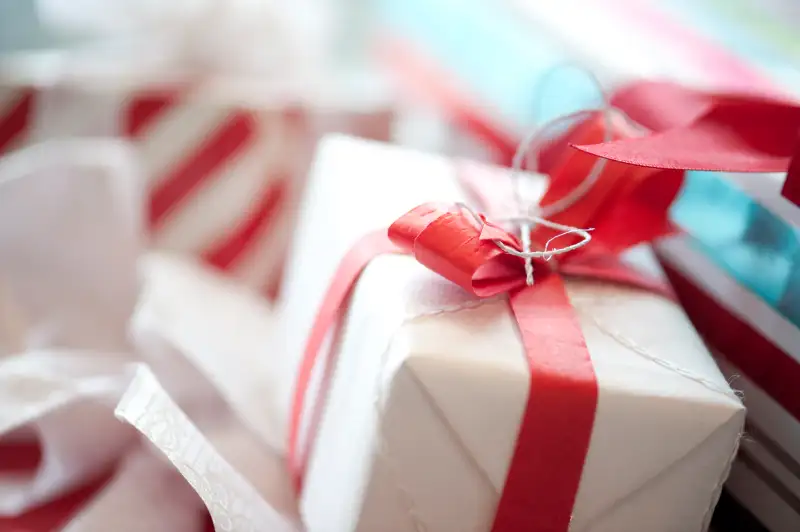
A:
<point x="447" y="241"/>
<point x="626" y="206"/>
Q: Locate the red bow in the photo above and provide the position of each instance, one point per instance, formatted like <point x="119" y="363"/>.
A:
<point x="709" y="131"/>
<point x="625" y="206"/>
<point x="448" y="240"/>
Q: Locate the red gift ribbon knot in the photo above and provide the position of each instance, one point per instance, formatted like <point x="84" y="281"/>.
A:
<point x="466" y="248"/>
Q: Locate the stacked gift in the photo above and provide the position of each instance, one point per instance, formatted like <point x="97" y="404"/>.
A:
<point x="224" y="101"/>
<point x="457" y="385"/>
<point x="487" y="70"/>
<point x="736" y="267"/>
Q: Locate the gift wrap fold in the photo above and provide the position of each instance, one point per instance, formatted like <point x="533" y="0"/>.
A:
<point x="224" y="101"/>
<point x="144" y="366"/>
<point x="421" y="417"/>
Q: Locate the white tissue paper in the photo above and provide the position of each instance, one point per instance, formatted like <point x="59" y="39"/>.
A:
<point x="149" y="365"/>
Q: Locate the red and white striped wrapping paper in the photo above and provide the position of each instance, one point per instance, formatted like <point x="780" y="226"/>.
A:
<point x="223" y="176"/>
<point x="759" y="350"/>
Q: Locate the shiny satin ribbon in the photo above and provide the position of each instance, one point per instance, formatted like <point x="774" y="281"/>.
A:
<point x="696" y="130"/>
<point x="626" y="207"/>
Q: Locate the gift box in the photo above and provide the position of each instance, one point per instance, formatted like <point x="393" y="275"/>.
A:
<point x="414" y="424"/>
<point x="224" y="139"/>
<point x="224" y="174"/>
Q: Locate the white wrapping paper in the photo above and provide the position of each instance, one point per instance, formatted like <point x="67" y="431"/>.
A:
<point x="430" y="384"/>
<point x="110" y="357"/>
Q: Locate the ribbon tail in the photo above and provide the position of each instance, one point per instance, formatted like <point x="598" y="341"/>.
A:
<point x="556" y="428"/>
<point x="749" y="136"/>
<point x="331" y="309"/>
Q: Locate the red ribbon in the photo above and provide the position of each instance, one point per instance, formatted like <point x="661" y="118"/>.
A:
<point x="625" y="207"/>
<point x="697" y="130"/>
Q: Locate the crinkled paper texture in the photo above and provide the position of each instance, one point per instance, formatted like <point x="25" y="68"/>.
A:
<point x="111" y="358"/>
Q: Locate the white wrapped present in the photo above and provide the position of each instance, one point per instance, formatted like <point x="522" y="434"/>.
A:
<point x="421" y="417"/>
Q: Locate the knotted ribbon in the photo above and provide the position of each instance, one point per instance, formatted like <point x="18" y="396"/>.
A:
<point x="624" y="208"/>
<point x="696" y="130"/>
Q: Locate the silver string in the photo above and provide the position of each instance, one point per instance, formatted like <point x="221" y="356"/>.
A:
<point x="537" y="215"/>
<point x="532" y="142"/>
<point x="545" y="254"/>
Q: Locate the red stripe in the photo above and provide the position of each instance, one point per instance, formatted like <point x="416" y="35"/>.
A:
<point x="220" y="146"/>
<point x="768" y="366"/>
<point x="425" y="80"/>
<point x="791" y="187"/>
<point x="144" y="109"/>
<point x="13" y="123"/>
<point x="233" y="247"/>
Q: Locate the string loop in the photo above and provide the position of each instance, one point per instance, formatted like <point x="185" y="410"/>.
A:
<point x="529" y="218"/>
<point x="526" y="223"/>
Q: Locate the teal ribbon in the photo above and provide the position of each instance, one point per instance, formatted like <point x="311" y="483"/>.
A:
<point x="751" y="244"/>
